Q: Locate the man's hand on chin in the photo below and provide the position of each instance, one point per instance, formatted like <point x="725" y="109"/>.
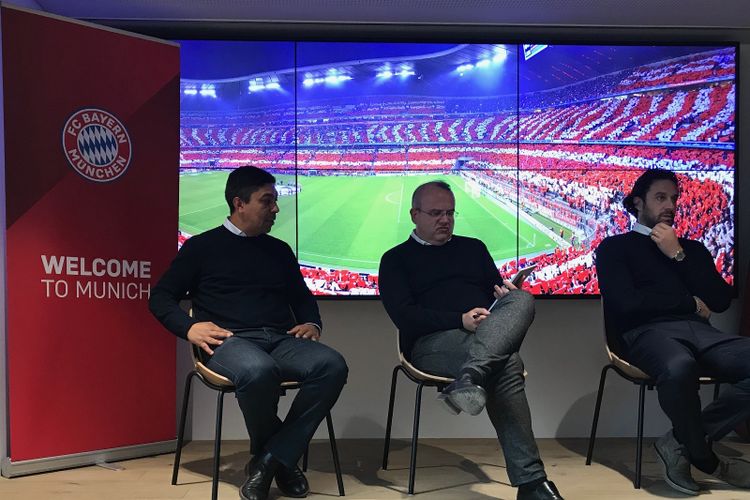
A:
<point x="665" y="238"/>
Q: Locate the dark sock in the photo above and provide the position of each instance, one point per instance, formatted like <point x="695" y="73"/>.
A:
<point x="476" y="377"/>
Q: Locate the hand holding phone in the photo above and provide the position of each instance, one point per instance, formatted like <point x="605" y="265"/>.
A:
<point x="517" y="280"/>
<point x="521" y="275"/>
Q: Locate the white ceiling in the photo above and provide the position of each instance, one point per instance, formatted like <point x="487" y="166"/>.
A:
<point x="652" y="13"/>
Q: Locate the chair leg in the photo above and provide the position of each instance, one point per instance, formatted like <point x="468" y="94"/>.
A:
<point x="597" y="408"/>
<point x="639" y="442"/>
<point x="181" y="430"/>
<point x="217" y="445"/>
<point x="414" y="438"/>
<point x="335" y="453"/>
<point x="387" y="445"/>
<point x="305" y="457"/>
<point x="717" y="388"/>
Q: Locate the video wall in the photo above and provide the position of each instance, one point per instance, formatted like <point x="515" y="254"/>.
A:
<point x="540" y="144"/>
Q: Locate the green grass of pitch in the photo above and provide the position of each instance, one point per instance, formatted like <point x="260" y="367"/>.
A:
<point x="350" y="221"/>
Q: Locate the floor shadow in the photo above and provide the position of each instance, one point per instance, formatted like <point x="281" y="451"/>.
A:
<point x="619" y="454"/>
<point x="367" y="467"/>
<point x="361" y="460"/>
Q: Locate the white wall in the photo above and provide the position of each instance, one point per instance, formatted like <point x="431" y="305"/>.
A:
<point x="563" y="352"/>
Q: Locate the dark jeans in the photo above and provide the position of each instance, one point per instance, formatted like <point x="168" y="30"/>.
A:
<point x="676" y="354"/>
<point x="257" y="361"/>
<point x="493" y="352"/>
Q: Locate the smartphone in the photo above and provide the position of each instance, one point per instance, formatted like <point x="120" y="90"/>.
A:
<point x="521" y="275"/>
<point x="517" y="280"/>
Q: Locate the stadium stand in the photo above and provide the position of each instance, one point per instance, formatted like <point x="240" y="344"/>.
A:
<point x="570" y="152"/>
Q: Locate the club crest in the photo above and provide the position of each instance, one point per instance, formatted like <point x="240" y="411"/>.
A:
<point x="96" y="144"/>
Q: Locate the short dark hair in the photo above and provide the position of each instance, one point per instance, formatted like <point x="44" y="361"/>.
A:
<point x="416" y="198"/>
<point x="643" y="184"/>
<point x="243" y="182"/>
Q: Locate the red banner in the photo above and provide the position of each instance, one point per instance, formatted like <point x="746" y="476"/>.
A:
<point x="91" y="142"/>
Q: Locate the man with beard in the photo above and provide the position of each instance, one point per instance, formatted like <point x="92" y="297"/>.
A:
<point x="256" y="319"/>
<point x="659" y="291"/>
<point x="437" y="288"/>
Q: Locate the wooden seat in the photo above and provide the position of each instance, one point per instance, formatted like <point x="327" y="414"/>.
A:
<point x="422" y="379"/>
<point x="223" y="386"/>
<point x="639" y="378"/>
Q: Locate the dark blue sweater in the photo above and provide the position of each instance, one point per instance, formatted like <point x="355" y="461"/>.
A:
<point x="237" y="282"/>
<point x="426" y="288"/>
<point x="639" y="284"/>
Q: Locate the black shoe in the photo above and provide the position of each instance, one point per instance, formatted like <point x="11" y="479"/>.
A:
<point x="260" y="471"/>
<point x="546" y="490"/>
<point x="292" y="482"/>
<point x="464" y="395"/>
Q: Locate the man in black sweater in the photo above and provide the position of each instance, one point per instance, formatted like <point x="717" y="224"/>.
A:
<point x="256" y="319"/>
<point x="437" y="288"/>
<point x="659" y="292"/>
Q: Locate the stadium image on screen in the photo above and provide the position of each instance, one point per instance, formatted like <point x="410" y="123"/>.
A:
<point x="539" y="151"/>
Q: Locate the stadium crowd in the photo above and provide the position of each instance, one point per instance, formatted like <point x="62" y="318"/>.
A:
<point x="569" y="153"/>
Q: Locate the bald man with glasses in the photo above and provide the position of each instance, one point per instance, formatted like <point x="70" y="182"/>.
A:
<point x="437" y="288"/>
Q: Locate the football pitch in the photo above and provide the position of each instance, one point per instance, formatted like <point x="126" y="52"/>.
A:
<point x="348" y="222"/>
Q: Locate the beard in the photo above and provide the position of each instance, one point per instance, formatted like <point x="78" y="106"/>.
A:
<point x="650" y="219"/>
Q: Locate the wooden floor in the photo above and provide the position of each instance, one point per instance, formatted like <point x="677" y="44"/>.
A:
<point x="447" y="469"/>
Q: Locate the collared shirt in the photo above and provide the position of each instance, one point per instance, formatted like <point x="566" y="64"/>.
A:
<point x="640" y="228"/>
<point x="420" y="240"/>
<point x="233" y="229"/>
<point x="239" y="232"/>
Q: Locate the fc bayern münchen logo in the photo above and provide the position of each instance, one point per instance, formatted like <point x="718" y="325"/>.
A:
<point x="97" y="145"/>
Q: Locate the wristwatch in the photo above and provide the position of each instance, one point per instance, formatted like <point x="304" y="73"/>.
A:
<point x="679" y="256"/>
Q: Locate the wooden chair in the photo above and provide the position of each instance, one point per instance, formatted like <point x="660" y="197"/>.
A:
<point x="643" y="381"/>
<point x="223" y="386"/>
<point x="422" y="380"/>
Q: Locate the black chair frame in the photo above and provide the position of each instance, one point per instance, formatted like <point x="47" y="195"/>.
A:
<point x="643" y="385"/>
<point x="222" y="390"/>
<point x="415" y="428"/>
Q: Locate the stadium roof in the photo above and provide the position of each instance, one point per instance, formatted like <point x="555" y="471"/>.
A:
<point x="556" y="66"/>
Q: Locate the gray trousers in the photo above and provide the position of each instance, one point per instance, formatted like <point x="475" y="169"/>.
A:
<point x="492" y="352"/>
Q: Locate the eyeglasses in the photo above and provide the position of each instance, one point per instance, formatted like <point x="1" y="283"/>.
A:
<point x="436" y="214"/>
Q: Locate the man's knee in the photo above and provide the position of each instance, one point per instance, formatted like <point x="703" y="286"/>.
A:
<point x="332" y="366"/>
<point x="520" y="297"/>
<point x="258" y="374"/>
<point x="523" y="302"/>
<point x="679" y="370"/>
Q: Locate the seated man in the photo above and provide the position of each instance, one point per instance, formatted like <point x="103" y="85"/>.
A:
<point x="260" y="324"/>
<point x="659" y="291"/>
<point x="436" y="287"/>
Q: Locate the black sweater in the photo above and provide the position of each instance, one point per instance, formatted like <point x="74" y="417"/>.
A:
<point x="235" y="281"/>
<point x="640" y="285"/>
<point x="427" y="288"/>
